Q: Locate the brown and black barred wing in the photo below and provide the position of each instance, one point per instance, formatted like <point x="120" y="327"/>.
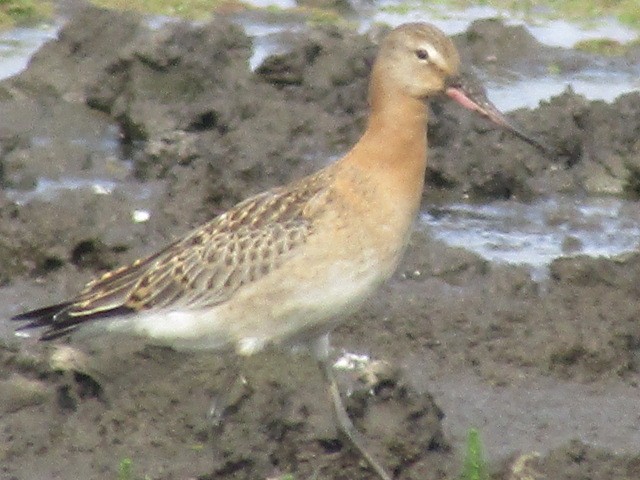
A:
<point x="201" y="270"/>
<point x="108" y="292"/>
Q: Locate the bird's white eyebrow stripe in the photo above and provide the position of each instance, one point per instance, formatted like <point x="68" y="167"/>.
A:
<point x="435" y="56"/>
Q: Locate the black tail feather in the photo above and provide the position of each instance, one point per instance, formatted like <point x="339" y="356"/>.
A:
<point x="41" y="316"/>
<point x="60" y="320"/>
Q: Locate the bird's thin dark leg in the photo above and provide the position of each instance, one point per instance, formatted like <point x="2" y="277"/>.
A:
<point x="232" y="389"/>
<point x="345" y="425"/>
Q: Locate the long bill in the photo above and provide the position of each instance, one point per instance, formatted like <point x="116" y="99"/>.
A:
<point x="473" y="96"/>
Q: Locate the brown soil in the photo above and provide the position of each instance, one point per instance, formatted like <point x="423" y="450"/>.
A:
<point x="549" y="366"/>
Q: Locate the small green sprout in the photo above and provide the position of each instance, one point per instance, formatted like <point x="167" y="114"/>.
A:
<point x="475" y="467"/>
<point x="125" y="469"/>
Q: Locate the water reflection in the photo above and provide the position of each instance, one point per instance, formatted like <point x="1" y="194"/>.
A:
<point x="537" y="233"/>
<point x="18" y="44"/>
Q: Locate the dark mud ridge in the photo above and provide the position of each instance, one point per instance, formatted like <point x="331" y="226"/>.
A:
<point x="177" y="121"/>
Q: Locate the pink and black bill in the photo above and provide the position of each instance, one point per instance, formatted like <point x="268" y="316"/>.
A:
<point x="472" y="95"/>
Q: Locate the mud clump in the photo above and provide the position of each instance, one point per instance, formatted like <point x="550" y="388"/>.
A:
<point x="403" y="427"/>
<point x="575" y="460"/>
<point x="277" y="419"/>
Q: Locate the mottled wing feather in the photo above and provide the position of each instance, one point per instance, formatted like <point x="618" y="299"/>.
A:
<point x="101" y="298"/>
<point x="111" y="289"/>
<point x="201" y="270"/>
<point x="204" y="268"/>
<point x="208" y="274"/>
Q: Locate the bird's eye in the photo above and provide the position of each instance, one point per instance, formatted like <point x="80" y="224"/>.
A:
<point x="422" y="54"/>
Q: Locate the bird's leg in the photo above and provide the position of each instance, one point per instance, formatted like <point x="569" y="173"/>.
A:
<point x="345" y="425"/>
<point x="232" y="390"/>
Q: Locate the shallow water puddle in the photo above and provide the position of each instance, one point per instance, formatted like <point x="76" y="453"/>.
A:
<point x="141" y="196"/>
<point x="268" y="38"/>
<point x="18" y="44"/>
<point x="559" y="33"/>
<point x="593" y="85"/>
<point x="535" y="234"/>
<point x="47" y="189"/>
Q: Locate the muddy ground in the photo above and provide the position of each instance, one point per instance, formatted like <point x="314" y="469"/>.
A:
<point x="183" y="128"/>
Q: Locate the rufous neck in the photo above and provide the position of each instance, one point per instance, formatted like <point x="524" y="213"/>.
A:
<point x="388" y="163"/>
<point x="395" y="138"/>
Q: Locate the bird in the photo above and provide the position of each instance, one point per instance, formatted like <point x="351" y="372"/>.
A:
<point x="288" y="265"/>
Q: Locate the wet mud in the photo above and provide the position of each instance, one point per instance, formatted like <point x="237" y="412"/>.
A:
<point x="172" y="121"/>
